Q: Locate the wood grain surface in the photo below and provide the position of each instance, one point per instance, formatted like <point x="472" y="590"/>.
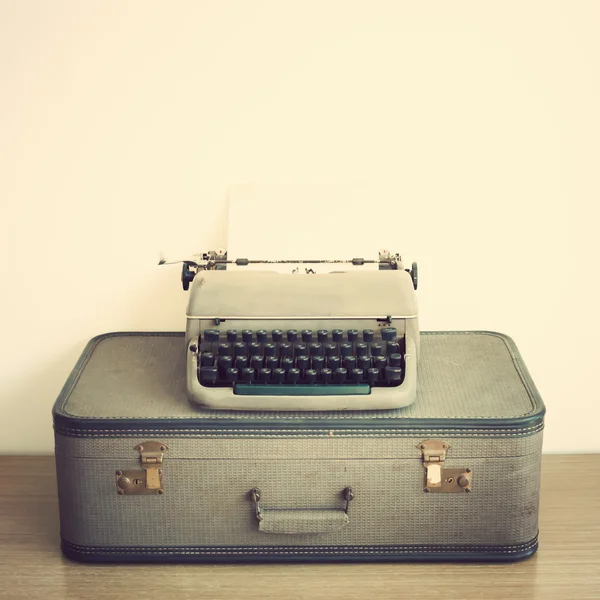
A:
<point x="567" y="564"/>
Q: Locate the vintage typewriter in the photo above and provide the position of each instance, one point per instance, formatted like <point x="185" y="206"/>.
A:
<point x="264" y="340"/>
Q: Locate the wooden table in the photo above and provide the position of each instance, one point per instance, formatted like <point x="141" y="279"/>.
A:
<point x="567" y="564"/>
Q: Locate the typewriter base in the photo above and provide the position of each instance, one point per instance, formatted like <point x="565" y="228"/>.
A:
<point x="454" y="476"/>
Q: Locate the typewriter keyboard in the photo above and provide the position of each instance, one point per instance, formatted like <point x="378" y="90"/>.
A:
<point x="300" y="361"/>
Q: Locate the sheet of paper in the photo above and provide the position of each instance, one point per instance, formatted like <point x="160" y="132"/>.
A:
<point x="302" y="223"/>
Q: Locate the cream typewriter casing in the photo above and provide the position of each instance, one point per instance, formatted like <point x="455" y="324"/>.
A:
<point x="354" y="299"/>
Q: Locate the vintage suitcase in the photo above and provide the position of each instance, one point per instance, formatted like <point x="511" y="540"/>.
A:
<point x="144" y="475"/>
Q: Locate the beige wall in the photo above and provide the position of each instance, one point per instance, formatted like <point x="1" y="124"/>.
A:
<point x="123" y="123"/>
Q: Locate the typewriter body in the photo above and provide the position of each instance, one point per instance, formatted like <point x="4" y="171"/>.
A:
<point x="264" y="340"/>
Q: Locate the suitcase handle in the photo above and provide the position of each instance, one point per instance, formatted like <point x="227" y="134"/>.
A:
<point x="301" y="520"/>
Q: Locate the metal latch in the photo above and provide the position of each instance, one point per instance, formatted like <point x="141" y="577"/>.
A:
<point x="148" y="479"/>
<point x="439" y="478"/>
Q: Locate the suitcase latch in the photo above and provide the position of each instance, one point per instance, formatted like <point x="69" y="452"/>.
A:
<point x="148" y="479"/>
<point x="438" y="477"/>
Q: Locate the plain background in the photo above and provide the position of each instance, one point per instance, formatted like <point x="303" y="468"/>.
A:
<point x="123" y="125"/>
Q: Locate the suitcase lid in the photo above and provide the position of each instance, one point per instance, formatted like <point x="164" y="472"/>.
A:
<point x="134" y="383"/>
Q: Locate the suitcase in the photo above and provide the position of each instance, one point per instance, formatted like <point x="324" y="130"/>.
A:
<point x="144" y="475"/>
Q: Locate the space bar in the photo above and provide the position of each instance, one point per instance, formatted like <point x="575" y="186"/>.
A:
<point x="257" y="389"/>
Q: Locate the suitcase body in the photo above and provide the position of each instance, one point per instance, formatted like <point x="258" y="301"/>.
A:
<point x="144" y="475"/>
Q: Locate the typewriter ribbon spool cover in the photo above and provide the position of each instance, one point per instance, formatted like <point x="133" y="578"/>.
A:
<point x="262" y="340"/>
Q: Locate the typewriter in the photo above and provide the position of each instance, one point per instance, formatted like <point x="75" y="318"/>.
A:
<point x="265" y="340"/>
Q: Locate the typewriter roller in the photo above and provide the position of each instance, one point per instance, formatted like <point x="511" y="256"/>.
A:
<point x="262" y="340"/>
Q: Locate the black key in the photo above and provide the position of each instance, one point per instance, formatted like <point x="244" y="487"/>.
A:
<point x="278" y="375"/>
<point x="264" y="375"/>
<point x="350" y="363"/>
<point x="330" y="349"/>
<point x="270" y="349"/>
<point x="286" y="349"/>
<point x="224" y="349"/>
<point x="340" y="375"/>
<point x="363" y="362"/>
<point x="248" y="375"/>
<point x="211" y="335"/>
<point x="388" y="334"/>
<point x="322" y="335"/>
<point x="325" y="375"/>
<point x="372" y="376"/>
<point x="318" y="362"/>
<point x="224" y="363"/>
<point x="293" y="375"/>
<point x="261" y="336"/>
<point x="307" y="336"/>
<point x="376" y="349"/>
<point x="334" y="362"/>
<point x="231" y="375"/>
<point x="271" y="362"/>
<point x="352" y="335"/>
<point x="393" y="375"/>
<point x="232" y="336"/>
<point x="254" y="348"/>
<point x="277" y="335"/>
<point x="287" y="363"/>
<point x="208" y="375"/>
<point x="300" y="349"/>
<point x="302" y="362"/>
<point x="207" y="359"/>
<point x="256" y="361"/>
<point x="380" y="362"/>
<point x="292" y="335"/>
<point x="368" y="335"/>
<point x="241" y="362"/>
<point x="357" y="375"/>
<point x="345" y="349"/>
<point x="391" y="348"/>
<point x="337" y="335"/>
<point x="315" y="349"/>
<point x="361" y="349"/>
<point x="247" y="336"/>
<point x="395" y="360"/>
<point x="310" y="376"/>
<point x="240" y="349"/>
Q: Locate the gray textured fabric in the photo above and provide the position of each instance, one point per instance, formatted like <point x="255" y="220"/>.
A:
<point x="302" y="522"/>
<point x="461" y="375"/>
<point x="206" y="501"/>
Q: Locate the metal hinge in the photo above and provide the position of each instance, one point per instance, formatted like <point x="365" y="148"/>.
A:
<point x="438" y="477"/>
<point x="148" y="479"/>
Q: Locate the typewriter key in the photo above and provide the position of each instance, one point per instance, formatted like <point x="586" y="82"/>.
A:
<point x="352" y="335"/>
<point x="310" y="375"/>
<point x="224" y="363"/>
<point x="287" y="363"/>
<point x="285" y="349"/>
<point x="388" y="334"/>
<point x="300" y="349"/>
<point x="254" y="348"/>
<point x="395" y="360"/>
<point x="277" y="335"/>
<point x="232" y="335"/>
<point x="247" y="335"/>
<point x="393" y="374"/>
<point x="334" y="362"/>
<point x="256" y="361"/>
<point x="340" y="375"/>
<point x="293" y="375"/>
<point x="337" y="335"/>
<point x="208" y="375"/>
<point x="224" y="349"/>
<point x="357" y="375"/>
<point x="211" y="335"/>
<point x="318" y="362"/>
<point x="368" y="335"/>
<point x="207" y="359"/>
<point x="240" y="349"/>
<point x="322" y="335"/>
<point x="330" y="349"/>
<point x="248" y="375"/>
<point x="391" y="348"/>
<point x="241" y="362"/>
<point x="363" y="362"/>
<point x="361" y="349"/>
<point x="350" y="363"/>
<point x="302" y="362"/>
<point x="376" y="349"/>
<point x="261" y="336"/>
<point x="271" y="362"/>
<point x="325" y="375"/>
<point x="292" y="335"/>
<point x="345" y="349"/>
<point x="380" y="362"/>
<point x="278" y="375"/>
<point x="307" y="336"/>
<point x="231" y="375"/>
<point x="270" y="349"/>
<point x="372" y="376"/>
<point x="264" y="375"/>
<point x="316" y="349"/>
